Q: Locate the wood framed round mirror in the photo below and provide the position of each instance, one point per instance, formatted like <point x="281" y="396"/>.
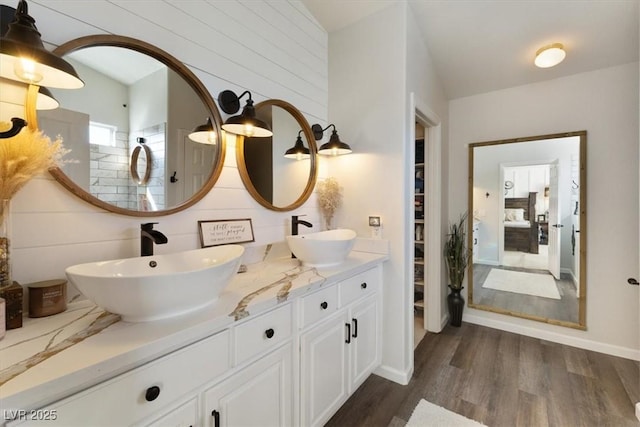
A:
<point x="135" y="94"/>
<point x="277" y="182"/>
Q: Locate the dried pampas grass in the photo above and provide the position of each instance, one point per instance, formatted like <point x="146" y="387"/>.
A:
<point x="329" y="198"/>
<point x="24" y="156"/>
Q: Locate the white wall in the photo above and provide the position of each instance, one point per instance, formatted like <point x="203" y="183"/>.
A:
<point x="424" y="82"/>
<point x="369" y="83"/>
<point x="274" y="49"/>
<point x="102" y="99"/>
<point x="605" y="104"/>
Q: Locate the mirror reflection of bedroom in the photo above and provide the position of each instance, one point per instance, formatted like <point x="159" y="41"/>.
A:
<point x="525" y="228"/>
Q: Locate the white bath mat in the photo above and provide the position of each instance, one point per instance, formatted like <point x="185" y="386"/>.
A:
<point x="427" y="414"/>
<point x="540" y="285"/>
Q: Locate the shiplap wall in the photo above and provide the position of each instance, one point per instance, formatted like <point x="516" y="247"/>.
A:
<point x="273" y="48"/>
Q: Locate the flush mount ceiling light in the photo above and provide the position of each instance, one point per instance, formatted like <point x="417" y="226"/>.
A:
<point x="298" y="151"/>
<point x="334" y="147"/>
<point x="550" y="55"/>
<point x="245" y="124"/>
<point x="24" y="58"/>
<point x="204" y="134"/>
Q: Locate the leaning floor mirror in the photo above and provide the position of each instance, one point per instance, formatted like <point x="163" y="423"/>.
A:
<point x="527" y="222"/>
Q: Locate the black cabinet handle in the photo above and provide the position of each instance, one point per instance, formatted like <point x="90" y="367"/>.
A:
<point x="355" y="328"/>
<point x="363" y="285"/>
<point x="152" y="393"/>
<point x="216" y="418"/>
<point x="632" y="281"/>
<point x="348" y="340"/>
<point x="324" y="305"/>
<point x="269" y="333"/>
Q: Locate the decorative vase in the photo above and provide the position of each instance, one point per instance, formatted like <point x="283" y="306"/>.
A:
<point x="455" y="303"/>
<point x="5" y="243"/>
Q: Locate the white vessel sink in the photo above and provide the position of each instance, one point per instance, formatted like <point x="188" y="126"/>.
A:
<point x="160" y="286"/>
<point x="322" y="249"/>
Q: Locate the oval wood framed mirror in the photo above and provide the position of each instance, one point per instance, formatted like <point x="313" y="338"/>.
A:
<point x="276" y="182"/>
<point x="135" y="93"/>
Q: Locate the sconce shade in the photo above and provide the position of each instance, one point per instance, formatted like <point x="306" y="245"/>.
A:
<point x="14" y="92"/>
<point x="298" y="151"/>
<point x="550" y="55"/>
<point x="246" y="124"/>
<point x="24" y="58"/>
<point x="205" y="133"/>
<point x="334" y="147"/>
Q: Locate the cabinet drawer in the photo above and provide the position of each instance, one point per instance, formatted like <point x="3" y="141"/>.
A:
<point x="262" y="333"/>
<point x="318" y="305"/>
<point x="357" y="286"/>
<point x="144" y="392"/>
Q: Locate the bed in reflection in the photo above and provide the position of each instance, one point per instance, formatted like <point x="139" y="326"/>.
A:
<point x="520" y="227"/>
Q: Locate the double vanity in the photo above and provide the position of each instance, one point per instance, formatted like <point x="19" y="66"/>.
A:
<point x="285" y="343"/>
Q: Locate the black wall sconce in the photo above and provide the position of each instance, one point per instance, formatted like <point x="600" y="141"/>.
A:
<point x="298" y="151"/>
<point x="334" y="147"/>
<point x="204" y="134"/>
<point x="246" y="124"/>
<point x="24" y="59"/>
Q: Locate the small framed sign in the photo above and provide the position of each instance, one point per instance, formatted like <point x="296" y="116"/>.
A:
<point x="223" y="231"/>
<point x="542" y="218"/>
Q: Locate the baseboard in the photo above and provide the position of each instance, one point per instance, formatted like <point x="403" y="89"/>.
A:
<point x="492" y="262"/>
<point x="613" y="350"/>
<point x="569" y="272"/>
<point x="444" y="321"/>
<point x="394" y="375"/>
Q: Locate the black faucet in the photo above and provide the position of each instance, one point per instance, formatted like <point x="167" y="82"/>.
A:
<point x="149" y="236"/>
<point x="295" y="222"/>
<point x="294" y="226"/>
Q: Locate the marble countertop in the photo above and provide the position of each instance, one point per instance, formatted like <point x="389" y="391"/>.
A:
<point x="52" y="357"/>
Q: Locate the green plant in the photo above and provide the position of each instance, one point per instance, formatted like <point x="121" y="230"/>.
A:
<point x="456" y="254"/>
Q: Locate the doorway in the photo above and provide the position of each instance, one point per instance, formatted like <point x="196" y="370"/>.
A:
<point x="426" y="190"/>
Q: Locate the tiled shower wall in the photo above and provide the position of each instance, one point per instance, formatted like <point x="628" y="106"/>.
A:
<point x="274" y="49"/>
<point x="109" y="175"/>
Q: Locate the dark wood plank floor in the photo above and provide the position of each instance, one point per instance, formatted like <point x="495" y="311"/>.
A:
<point x="503" y="379"/>
<point x="565" y="309"/>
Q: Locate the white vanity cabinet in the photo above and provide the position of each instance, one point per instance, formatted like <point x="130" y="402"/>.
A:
<point x="259" y="395"/>
<point x="339" y="351"/>
<point x="292" y="364"/>
<point x="185" y="415"/>
<point x="143" y="393"/>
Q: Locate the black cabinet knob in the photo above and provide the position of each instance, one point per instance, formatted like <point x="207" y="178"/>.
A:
<point x="152" y="393"/>
<point x="324" y="305"/>
<point x="269" y="333"/>
<point x="363" y="285"/>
